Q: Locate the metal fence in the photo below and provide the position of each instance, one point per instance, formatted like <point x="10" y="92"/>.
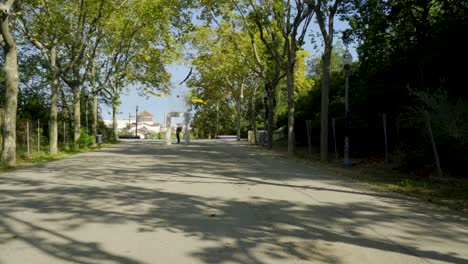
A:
<point x="32" y="136"/>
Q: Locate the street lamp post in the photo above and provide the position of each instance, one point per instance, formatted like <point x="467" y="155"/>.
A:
<point x="136" y="122"/>
<point x="347" y="60"/>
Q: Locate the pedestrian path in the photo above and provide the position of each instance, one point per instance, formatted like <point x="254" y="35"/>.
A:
<point x="212" y="202"/>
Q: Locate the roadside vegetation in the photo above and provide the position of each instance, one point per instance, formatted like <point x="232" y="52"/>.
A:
<point x="450" y="193"/>
<point x="36" y="152"/>
<point x="269" y="67"/>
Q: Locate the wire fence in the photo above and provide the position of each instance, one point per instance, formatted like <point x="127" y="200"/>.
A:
<point x="32" y="136"/>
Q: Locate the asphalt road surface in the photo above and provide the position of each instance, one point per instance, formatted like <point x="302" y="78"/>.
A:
<point x="212" y="202"/>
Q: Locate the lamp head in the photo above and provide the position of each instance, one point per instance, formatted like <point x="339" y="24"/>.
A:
<point x="347" y="58"/>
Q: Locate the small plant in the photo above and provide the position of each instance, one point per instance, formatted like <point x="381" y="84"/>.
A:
<point x="152" y="135"/>
<point x="407" y="182"/>
<point x="85" y="141"/>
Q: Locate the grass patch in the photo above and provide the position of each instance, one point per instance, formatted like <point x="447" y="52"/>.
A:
<point x="22" y="159"/>
<point x="42" y="157"/>
<point x="452" y="194"/>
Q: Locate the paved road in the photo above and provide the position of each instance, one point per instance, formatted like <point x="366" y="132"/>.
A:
<point x="211" y="202"/>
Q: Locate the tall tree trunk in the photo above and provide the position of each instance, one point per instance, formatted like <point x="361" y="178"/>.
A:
<point x="76" y="113"/>
<point x="291" y="107"/>
<point x="239" y="105"/>
<point x="326" y="10"/>
<point x="238" y="108"/>
<point x="115" y="109"/>
<point x="271" y="113"/>
<point x="53" y="133"/>
<point x="95" y="100"/>
<point x="324" y="108"/>
<point x="253" y="116"/>
<point x="95" y="113"/>
<point x="8" y="156"/>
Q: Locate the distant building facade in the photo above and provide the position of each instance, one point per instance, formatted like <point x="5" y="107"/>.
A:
<point x="146" y="125"/>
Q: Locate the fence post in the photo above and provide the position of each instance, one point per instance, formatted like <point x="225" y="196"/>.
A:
<point x="64" y="135"/>
<point x="434" y="147"/>
<point x="27" y="139"/>
<point x="38" y="136"/>
<point x="334" y="138"/>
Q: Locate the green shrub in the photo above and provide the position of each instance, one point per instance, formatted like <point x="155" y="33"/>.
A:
<point x="85" y="141"/>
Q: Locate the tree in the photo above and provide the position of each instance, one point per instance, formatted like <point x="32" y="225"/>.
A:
<point x="410" y="43"/>
<point x="8" y="155"/>
<point x="52" y="26"/>
<point x="281" y="27"/>
<point x="218" y="61"/>
<point x="34" y="25"/>
<point x="134" y="53"/>
<point x="239" y="14"/>
<point x="325" y="12"/>
<point x="84" y="21"/>
<point x="309" y="97"/>
<point x="33" y="99"/>
<point x="294" y="26"/>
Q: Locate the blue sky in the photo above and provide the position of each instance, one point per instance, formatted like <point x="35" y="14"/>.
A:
<point x="158" y="106"/>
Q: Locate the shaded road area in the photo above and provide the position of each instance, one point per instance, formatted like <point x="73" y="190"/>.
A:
<point x="212" y="202"/>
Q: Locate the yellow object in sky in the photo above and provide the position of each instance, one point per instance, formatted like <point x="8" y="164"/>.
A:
<point x="197" y="100"/>
<point x="156" y="94"/>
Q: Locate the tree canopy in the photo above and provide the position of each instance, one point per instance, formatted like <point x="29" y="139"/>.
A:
<point x="252" y="69"/>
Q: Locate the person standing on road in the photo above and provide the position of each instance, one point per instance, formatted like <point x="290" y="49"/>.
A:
<point x="178" y="130"/>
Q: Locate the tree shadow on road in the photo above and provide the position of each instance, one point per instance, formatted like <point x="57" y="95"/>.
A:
<point x="74" y="193"/>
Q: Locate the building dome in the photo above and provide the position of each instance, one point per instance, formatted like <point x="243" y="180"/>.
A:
<point x="145" y="117"/>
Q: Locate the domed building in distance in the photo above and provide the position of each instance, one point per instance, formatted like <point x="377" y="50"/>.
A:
<point x="145" y="117"/>
<point x="145" y="125"/>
